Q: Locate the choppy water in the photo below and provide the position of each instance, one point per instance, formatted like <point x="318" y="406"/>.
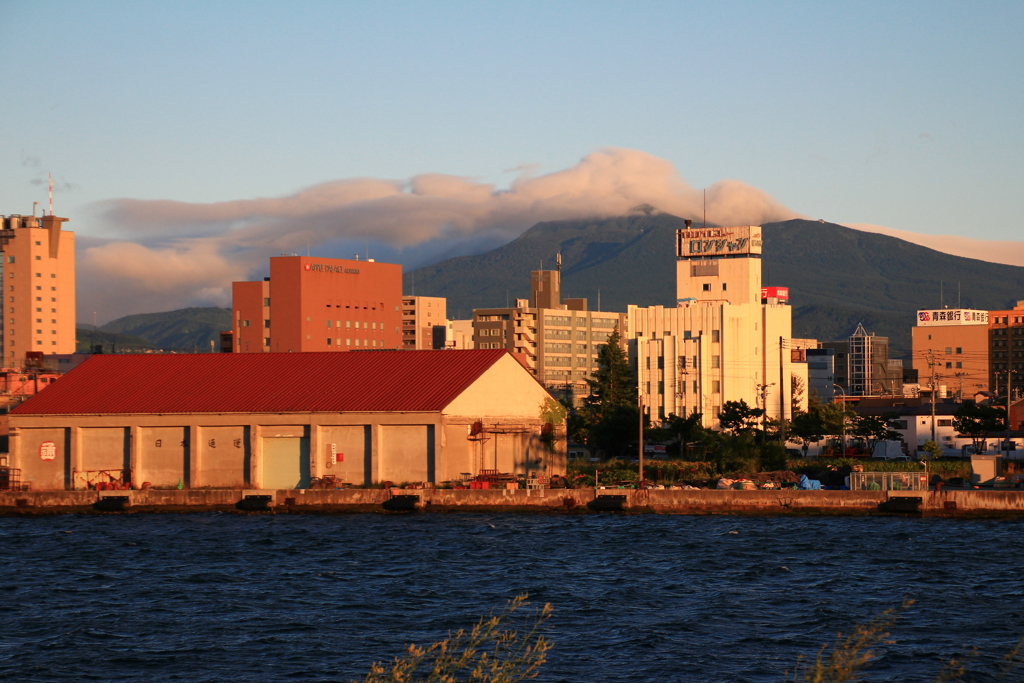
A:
<point x="219" y="597"/>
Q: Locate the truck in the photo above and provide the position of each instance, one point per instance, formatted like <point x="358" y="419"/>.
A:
<point x="889" y="450"/>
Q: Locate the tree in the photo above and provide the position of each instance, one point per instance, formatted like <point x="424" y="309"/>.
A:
<point x="612" y="405"/>
<point x="807" y="427"/>
<point x="797" y="391"/>
<point x="613" y="383"/>
<point x="875" y="428"/>
<point x="975" y="421"/>
<point x="685" y="429"/>
<point x="737" y="416"/>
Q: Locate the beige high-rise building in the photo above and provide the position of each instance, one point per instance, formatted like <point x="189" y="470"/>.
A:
<point x="38" y="273"/>
<point x="424" y="324"/>
<point x="557" y="340"/>
<point x="728" y="339"/>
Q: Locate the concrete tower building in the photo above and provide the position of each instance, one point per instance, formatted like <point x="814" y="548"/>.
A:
<point x="38" y="272"/>
<point x="728" y="339"/>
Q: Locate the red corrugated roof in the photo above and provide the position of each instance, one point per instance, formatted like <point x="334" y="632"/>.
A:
<point x="357" y="381"/>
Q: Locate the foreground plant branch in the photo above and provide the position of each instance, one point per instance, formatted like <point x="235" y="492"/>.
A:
<point x="493" y="651"/>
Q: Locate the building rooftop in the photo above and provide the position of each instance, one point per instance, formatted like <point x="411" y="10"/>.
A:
<point x="356" y="381"/>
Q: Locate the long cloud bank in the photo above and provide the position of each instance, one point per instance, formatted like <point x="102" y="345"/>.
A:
<point x="173" y="254"/>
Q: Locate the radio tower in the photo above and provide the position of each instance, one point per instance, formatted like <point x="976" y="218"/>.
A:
<point x="50" y="176"/>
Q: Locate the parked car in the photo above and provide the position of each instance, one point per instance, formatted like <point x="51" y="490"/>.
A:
<point x="889" y="450"/>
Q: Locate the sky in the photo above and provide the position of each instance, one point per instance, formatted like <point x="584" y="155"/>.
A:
<point x="189" y="141"/>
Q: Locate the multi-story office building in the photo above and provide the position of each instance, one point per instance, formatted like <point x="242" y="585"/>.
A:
<point x="318" y="304"/>
<point x="863" y="366"/>
<point x="424" y="325"/>
<point x="558" y="341"/>
<point x="38" y="274"/>
<point x="951" y="351"/>
<point x="726" y="340"/>
<point x="1006" y="350"/>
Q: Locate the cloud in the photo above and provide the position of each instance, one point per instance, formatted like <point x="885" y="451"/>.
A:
<point x="993" y="251"/>
<point x="166" y="254"/>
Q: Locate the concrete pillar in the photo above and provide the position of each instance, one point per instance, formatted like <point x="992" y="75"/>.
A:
<point x="317" y="451"/>
<point x="75" y="449"/>
<point x="135" y="464"/>
<point x="376" y="462"/>
<point x="255" y="456"/>
<point x="195" y="476"/>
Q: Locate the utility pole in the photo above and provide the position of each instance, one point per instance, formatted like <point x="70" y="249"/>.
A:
<point x="1009" y="394"/>
<point x="782" y="394"/>
<point x="935" y="385"/>
<point x="640" y="405"/>
<point x="762" y="389"/>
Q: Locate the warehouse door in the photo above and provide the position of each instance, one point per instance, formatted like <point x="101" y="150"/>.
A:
<point x="285" y="462"/>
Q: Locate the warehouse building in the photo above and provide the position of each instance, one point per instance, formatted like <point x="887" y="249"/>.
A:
<point x="276" y="420"/>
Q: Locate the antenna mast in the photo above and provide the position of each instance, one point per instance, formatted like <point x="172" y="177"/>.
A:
<point x="50" y="176"/>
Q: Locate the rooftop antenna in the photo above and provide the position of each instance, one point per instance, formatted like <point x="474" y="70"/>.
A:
<point x="598" y="300"/>
<point x="50" y="176"/>
<point x="705" y="207"/>
<point x="558" y="261"/>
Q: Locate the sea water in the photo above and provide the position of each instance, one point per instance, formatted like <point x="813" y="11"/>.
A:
<point x="288" y="597"/>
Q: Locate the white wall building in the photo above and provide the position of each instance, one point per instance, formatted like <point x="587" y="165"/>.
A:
<point x="725" y="341"/>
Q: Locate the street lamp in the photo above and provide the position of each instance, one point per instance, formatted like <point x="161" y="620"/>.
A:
<point x="844" y="417"/>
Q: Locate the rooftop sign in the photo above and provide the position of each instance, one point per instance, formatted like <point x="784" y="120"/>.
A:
<point x="951" y="316"/>
<point x="711" y="242"/>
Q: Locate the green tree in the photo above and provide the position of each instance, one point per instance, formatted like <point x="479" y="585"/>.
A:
<point x="875" y="428"/>
<point x="611" y="408"/>
<point x="975" y="421"/>
<point x="808" y="428"/>
<point x="737" y="416"/>
<point x="685" y="430"/>
<point x="613" y="384"/>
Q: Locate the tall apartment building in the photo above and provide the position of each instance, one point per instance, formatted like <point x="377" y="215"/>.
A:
<point x="1006" y="350"/>
<point x="951" y="350"/>
<point x="38" y="273"/>
<point x="318" y="304"/>
<point x="558" y="341"/>
<point x="726" y="340"/>
<point x="424" y="324"/>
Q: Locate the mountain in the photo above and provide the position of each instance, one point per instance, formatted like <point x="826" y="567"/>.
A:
<point x="185" y="329"/>
<point x="89" y="337"/>
<point x="837" y="276"/>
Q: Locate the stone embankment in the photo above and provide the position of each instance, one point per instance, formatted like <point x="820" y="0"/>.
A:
<point x="977" y="502"/>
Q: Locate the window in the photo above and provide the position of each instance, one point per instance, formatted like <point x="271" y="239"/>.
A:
<point x="266" y="341"/>
<point x="38" y="244"/>
<point x="945" y="423"/>
<point x="39" y="274"/>
<point x="328" y="341"/>
<point x="39" y="320"/>
<point x="707" y="286"/>
<point x="716" y="387"/>
<point x="10" y="259"/>
<point x="949" y="350"/>
<point x="716" y="335"/>
<point x="724" y="286"/>
<point x="959" y="349"/>
<point x="266" y="323"/>
<point x="328" y="323"/>
<point x="959" y="364"/>
<point x="245" y="323"/>
<point x="266" y="301"/>
<point x="716" y="361"/>
<point x="39" y="310"/>
<point x="53" y="289"/>
<point x="949" y="366"/>
<point x="53" y="275"/>
<point x="39" y="258"/>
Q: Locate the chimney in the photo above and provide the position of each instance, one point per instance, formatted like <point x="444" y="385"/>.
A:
<point x="688" y="223"/>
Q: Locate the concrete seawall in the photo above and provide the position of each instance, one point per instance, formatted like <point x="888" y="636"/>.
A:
<point x="941" y="503"/>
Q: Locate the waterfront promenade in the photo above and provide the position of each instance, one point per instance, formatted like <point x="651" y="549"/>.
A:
<point x="969" y="502"/>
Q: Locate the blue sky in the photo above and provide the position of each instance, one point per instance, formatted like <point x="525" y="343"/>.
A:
<point x="908" y="115"/>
